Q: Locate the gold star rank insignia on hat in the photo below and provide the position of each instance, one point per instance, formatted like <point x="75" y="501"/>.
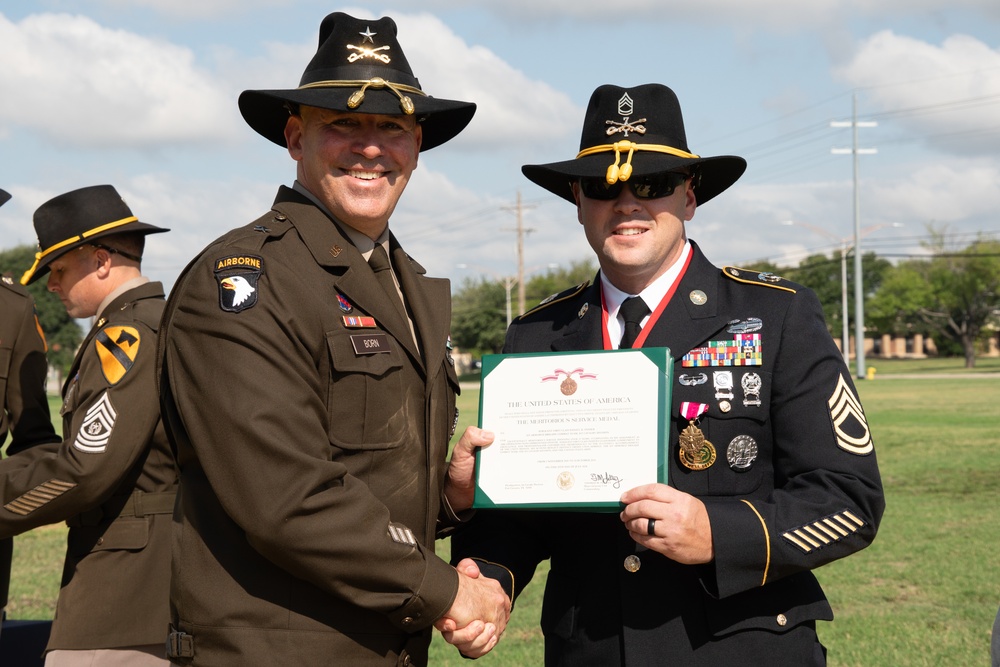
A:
<point x="117" y="348"/>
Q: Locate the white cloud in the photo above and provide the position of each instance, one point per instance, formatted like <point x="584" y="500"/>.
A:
<point x="949" y="94"/>
<point x="80" y="84"/>
<point x="196" y="9"/>
<point x="511" y="107"/>
<point x="770" y="15"/>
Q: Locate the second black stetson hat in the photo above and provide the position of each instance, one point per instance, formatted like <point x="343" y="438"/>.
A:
<point x="635" y="131"/>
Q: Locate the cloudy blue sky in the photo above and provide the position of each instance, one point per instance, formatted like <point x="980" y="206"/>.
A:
<point x="142" y="94"/>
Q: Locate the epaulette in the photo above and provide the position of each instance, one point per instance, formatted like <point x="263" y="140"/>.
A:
<point x="12" y="284"/>
<point x="556" y="298"/>
<point x="253" y="236"/>
<point x="764" y="278"/>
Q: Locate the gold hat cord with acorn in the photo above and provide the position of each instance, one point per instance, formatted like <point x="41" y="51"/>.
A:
<point x="616" y="173"/>
<point x="405" y="103"/>
<point x="70" y="241"/>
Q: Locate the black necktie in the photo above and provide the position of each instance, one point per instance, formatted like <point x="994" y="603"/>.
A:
<point x="632" y="310"/>
<point x="379" y="261"/>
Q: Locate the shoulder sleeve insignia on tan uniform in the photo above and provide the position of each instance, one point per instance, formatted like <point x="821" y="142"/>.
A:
<point x="764" y="278"/>
<point x="95" y="431"/>
<point x="826" y="531"/>
<point x="849" y="421"/>
<point x="42" y="494"/>
<point x="117" y="348"/>
<point x="237" y="277"/>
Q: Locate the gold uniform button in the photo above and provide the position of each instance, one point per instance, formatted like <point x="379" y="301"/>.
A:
<point x="632" y="563"/>
<point x="725" y="406"/>
<point x="782" y="620"/>
<point x="408" y="620"/>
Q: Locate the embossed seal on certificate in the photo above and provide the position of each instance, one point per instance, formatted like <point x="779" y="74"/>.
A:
<point x="565" y="480"/>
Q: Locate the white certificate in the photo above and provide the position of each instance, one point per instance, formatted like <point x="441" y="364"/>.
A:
<point x="573" y="429"/>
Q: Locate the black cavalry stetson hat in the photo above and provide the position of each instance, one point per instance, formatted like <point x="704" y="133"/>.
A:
<point x="635" y="132"/>
<point x="77" y="218"/>
<point x="358" y="67"/>
<point x="4" y="197"/>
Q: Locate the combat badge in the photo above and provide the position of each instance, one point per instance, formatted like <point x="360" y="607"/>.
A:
<point x="117" y="348"/>
<point x="849" y="421"/>
<point x="741" y="453"/>
<point x="749" y="325"/>
<point x="237" y="276"/>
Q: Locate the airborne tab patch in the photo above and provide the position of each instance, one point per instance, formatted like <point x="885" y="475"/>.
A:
<point x="237" y="276"/>
<point x="117" y="348"/>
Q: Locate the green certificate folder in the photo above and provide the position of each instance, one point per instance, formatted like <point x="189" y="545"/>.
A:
<point x="574" y="430"/>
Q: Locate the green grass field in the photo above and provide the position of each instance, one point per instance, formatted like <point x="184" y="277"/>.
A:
<point x="924" y="594"/>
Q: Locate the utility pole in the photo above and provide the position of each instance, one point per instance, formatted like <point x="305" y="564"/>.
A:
<point x="859" y="292"/>
<point x="521" y="231"/>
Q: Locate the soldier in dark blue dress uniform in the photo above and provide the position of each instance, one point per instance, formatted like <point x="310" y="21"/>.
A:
<point x="772" y="471"/>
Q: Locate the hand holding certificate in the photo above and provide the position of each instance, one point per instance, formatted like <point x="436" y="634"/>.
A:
<point x="573" y="430"/>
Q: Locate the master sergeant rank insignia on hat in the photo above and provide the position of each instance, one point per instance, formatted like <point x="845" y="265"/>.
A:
<point x="237" y="276"/>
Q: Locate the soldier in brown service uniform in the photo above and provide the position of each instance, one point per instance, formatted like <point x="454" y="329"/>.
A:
<point x="310" y="405"/>
<point x="24" y="408"/>
<point x="112" y="478"/>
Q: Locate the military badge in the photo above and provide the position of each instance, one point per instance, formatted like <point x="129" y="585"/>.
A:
<point x="117" y="348"/>
<point x="343" y="303"/>
<point x="749" y="325"/>
<point x="692" y="380"/>
<point x="237" y="277"/>
<point x="723" y="381"/>
<point x="98" y="423"/>
<point x="751" y="384"/>
<point x="741" y="452"/>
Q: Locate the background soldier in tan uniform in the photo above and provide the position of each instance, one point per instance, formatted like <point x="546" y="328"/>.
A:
<point x="112" y="478"/>
<point x="24" y="408"/>
<point x="309" y="404"/>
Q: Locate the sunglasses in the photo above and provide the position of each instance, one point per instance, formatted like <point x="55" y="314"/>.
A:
<point x="653" y="186"/>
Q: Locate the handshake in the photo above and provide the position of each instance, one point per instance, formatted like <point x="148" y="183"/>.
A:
<point x="479" y="614"/>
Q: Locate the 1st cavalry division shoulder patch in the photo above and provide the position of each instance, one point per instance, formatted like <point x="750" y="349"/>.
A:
<point x="237" y="276"/>
<point x="117" y="348"/>
<point x="849" y="421"/>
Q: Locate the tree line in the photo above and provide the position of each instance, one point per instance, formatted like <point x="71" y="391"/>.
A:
<point x="951" y="295"/>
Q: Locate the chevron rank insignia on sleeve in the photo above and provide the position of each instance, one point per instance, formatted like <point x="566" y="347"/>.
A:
<point x="849" y="423"/>
<point x="826" y="531"/>
<point x="98" y="423"/>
